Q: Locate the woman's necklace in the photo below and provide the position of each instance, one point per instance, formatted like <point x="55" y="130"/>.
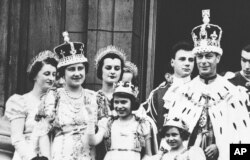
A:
<point x="73" y="97"/>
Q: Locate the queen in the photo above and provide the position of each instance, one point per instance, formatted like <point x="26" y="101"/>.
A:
<point x="65" y="108"/>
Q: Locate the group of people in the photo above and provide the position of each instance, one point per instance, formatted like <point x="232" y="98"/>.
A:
<point x="186" y="118"/>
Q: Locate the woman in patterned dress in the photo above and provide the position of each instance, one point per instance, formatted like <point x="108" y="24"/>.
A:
<point x="109" y="64"/>
<point x="21" y="109"/>
<point x="126" y="136"/>
<point x="65" y="107"/>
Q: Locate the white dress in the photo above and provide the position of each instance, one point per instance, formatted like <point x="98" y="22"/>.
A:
<point x="125" y="141"/>
<point x="24" y="106"/>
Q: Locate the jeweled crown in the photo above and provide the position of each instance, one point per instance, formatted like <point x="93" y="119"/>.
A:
<point x="126" y="87"/>
<point x="70" y="52"/>
<point x="207" y="36"/>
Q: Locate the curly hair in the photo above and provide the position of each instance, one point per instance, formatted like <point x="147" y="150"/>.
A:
<point x="38" y="66"/>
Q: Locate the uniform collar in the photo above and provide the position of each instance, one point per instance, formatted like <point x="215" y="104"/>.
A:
<point x="178" y="80"/>
<point x="208" y="80"/>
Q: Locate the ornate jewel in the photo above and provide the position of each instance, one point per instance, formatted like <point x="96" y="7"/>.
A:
<point x="40" y="57"/>
<point x="203" y="119"/>
<point x="126" y="87"/>
<point x="207" y="36"/>
<point x="131" y="67"/>
<point x="70" y="52"/>
<point x="109" y="49"/>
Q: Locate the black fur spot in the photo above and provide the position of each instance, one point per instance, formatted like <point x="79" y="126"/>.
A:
<point x="235" y="127"/>
<point x="214" y="115"/>
<point x="245" y="123"/>
<point x="173" y="104"/>
<point x="220" y="113"/>
<point x="184" y="110"/>
<point x="232" y="105"/>
<point x="188" y="111"/>
<point x="220" y="130"/>
<point x="241" y="103"/>
<point x="226" y="88"/>
<point x="200" y="98"/>
<point x="220" y="96"/>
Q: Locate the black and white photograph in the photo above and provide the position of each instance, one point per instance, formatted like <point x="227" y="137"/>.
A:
<point x="124" y="79"/>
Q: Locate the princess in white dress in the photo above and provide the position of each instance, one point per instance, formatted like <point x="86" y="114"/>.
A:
<point x="126" y="136"/>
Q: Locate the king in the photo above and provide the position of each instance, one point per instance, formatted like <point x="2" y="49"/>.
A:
<point x="215" y="109"/>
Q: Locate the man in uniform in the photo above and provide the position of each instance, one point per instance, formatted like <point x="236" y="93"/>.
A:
<point x="214" y="108"/>
<point x="182" y="61"/>
<point x="242" y="78"/>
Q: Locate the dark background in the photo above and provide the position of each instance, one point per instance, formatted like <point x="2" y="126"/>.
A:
<point x="176" y="19"/>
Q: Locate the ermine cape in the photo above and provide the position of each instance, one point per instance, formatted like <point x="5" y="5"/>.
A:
<point x="227" y="108"/>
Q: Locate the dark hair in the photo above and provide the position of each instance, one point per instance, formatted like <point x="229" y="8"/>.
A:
<point x="246" y="48"/>
<point x="38" y="66"/>
<point x="182" y="45"/>
<point x="134" y="103"/>
<point x="183" y="133"/>
<point x="100" y="64"/>
<point x="61" y="70"/>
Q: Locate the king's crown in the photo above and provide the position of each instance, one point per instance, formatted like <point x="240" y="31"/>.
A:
<point x="207" y="36"/>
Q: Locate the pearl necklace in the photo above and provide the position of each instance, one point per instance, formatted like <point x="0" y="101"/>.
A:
<point x="68" y="94"/>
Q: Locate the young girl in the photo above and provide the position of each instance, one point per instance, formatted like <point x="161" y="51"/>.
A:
<point x="175" y="132"/>
<point x="125" y="135"/>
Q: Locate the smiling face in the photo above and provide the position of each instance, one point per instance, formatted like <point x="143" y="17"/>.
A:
<point x="183" y="63"/>
<point x="245" y="63"/>
<point x="173" y="138"/>
<point x="122" y="106"/>
<point x="207" y="63"/>
<point x="75" y="75"/>
<point x="111" y="70"/>
<point x="46" y="76"/>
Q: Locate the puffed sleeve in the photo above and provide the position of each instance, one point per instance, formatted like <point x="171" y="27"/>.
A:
<point x="15" y="107"/>
<point x="103" y="123"/>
